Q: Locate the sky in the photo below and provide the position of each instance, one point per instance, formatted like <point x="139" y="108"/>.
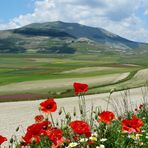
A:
<point x="127" y="18"/>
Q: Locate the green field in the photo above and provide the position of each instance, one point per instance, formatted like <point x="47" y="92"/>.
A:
<point x="45" y="74"/>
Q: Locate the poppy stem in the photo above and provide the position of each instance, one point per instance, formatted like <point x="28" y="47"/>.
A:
<point x="80" y="105"/>
<point x="91" y="115"/>
<point x="64" y="110"/>
<point x="108" y="101"/>
<point x="52" y="119"/>
<point x="41" y="145"/>
<point x="83" y="106"/>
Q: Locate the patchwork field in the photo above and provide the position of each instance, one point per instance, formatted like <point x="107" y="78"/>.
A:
<point x="60" y="84"/>
<point x="41" y="75"/>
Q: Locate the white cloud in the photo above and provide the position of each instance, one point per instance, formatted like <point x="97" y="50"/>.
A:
<point x="117" y="16"/>
<point x="146" y="12"/>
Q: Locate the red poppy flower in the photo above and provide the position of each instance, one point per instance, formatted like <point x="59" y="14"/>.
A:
<point x="39" y="118"/>
<point x="48" y="106"/>
<point x="42" y="125"/>
<point x="34" y="131"/>
<point x="33" y="134"/>
<point x="80" y="127"/>
<point x="2" y="139"/>
<point x="106" y="117"/>
<point x="54" y="135"/>
<point x="59" y="143"/>
<point x="132" y="125"/>
<point x="29" y="138"/>
<point x="80" y="88"/>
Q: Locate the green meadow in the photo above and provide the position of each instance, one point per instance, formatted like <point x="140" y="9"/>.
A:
<point x="48" y="74"/>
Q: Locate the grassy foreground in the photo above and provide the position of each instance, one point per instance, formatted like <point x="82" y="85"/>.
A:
<point x="85" y="129"/>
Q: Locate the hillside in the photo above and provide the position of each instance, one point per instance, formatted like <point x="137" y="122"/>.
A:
<point x="66" y="38"/>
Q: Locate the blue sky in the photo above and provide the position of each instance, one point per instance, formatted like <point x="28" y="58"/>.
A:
<point x="126" y="18"/>
<point x="12" y="8"/>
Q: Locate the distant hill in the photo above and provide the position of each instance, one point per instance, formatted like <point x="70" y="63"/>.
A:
<point x="66" y="38"/>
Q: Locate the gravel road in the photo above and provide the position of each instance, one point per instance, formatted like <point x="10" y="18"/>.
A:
<point x="13" y="114"/>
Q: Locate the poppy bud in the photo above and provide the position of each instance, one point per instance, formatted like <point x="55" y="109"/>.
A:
<point x="96" y="117"/>
<point x="11" y="140"/>
<point x="68" y="116"/>
<point x="74" y="112"/>
<point x="60" y="111"/>
<point x="17" y="129"/>
<point x="57" y="123"/>
<point x="81" y="111"/>
<point x="22" y="143"/>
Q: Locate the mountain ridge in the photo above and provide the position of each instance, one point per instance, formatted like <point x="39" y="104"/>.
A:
<point x="61" y="37"/>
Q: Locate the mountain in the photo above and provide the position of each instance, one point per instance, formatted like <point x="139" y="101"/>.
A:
<point x="66" y="38"/>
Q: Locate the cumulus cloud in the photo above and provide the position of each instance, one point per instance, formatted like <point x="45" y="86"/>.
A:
<point x="117" y="16"/>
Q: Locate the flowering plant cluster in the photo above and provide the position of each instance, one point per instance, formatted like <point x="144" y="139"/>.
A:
<point x="99" y="129"/>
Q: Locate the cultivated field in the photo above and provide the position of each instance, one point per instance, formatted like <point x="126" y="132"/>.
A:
<point x="60" y="84"/>
<point x="41" y="75"/>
